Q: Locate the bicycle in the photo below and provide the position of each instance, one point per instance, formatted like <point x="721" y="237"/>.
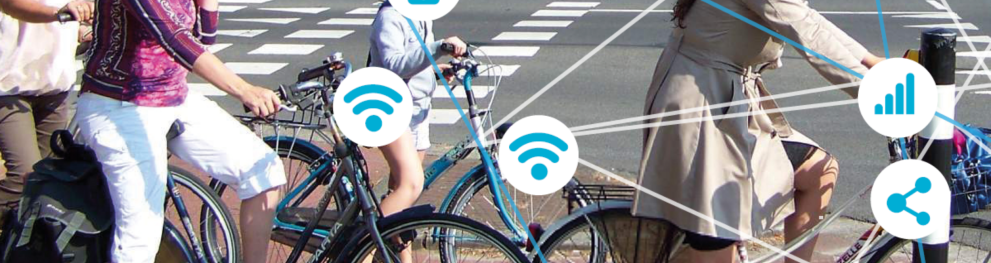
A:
<point x="356" y="231"/>
<point x="309" y="165"/>
<point x="588" y="235"/>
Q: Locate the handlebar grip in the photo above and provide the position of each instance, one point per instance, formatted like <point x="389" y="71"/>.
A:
<point x="65" y="16"/>
<point x="310" y="74"/>
<point x="450" y="49"/>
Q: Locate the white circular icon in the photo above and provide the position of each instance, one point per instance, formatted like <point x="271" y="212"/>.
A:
<point x="910" y="199"/>
<point x="897" y="97"/>
<point x="538" y="155"/>
<point x="373" y="106"/>
<point x="424" y="10"/>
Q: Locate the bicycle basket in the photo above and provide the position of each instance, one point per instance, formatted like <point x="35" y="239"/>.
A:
<point x="971" y="182"/>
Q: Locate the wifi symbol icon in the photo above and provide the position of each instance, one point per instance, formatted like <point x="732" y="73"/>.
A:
<point x="373" y="122"/>
<point x="539" y="155"/>
<point x="376" y="106"/>
<point x="539" y="171"/>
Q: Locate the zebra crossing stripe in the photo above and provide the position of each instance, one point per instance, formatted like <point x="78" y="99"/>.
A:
<point x="444" y="116"/>
<point x="524" y="36"/>
<point x="313" y="33"/>
<point x="301" y="10"/>
<point x="254" y="68"/>
<point x="951" y="26"/>
<point x="479" y="91"/>
<point x="543" y="23"/>
<point x="280" y="21"/>
<point x="509" y="51"/>
<point x="573" y="4"/>
<point x="243" y="1"/>
<point x="241" y="32"/>
<point x="559" y="13"/>
<point x="285" y="49"/>
<point x="364" y="11"/>
<point x="218" y="47"/>
<point x="230" y="8"/>
<point x="348" y="21"/>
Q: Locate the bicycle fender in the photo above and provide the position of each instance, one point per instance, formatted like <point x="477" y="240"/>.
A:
<point x="478" y="170"/>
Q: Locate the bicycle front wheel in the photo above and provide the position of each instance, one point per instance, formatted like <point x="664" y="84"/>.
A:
<point x="970" y="241"/>
<point x="423" y="237"/>
<point x="215" y="229"/>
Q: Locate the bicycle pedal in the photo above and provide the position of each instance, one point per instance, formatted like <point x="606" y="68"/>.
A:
<point x="537" y="231"/>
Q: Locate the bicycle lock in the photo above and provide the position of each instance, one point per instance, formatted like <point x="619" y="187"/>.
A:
<point x="938" y="55"/>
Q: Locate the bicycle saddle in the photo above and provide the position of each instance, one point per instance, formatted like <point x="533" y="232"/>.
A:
<point x="174" y="131"/>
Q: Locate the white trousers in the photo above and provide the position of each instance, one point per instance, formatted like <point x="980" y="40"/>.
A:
<point x="130" y="143"/>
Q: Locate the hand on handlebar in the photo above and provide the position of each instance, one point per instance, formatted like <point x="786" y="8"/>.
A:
<point x="80" y="10"/>
<point x="448" y="71"/>
<point x="454" y="46"/>
<point x="260" y="101"/>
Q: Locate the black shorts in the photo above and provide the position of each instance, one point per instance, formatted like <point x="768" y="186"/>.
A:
<point x="797" y="153"/>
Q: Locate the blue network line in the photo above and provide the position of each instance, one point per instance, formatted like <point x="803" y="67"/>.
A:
<point x="485" y="155"/>
<point x="884" y="35"/>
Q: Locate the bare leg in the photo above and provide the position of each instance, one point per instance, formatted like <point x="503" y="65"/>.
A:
<point x="405" y="178"/>
<point x="814" y="182"/>
<point x="256" y="224"/>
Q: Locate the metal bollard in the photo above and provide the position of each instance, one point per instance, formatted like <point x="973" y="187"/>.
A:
<point x="938" y="56"/>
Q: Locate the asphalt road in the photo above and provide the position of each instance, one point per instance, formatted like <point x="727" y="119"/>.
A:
<point x="611" y="84"/>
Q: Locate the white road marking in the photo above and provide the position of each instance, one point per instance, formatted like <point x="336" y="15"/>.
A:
<point x="983" y="92"/>
<point x="320" y="34"/>
<point x="497" y="71"/>
<point x="976" y="54"/>
<point x="348" y="21"/>
<point x="206" y="89"/>
<point x="933" y="16"/>
<point x="243" y="1"/>
<point x="285" y="49"/>
<point x="559" y="13"/>
<point x="280" y="21"/>
<point x="254" y="68"/>
<point x="951" y="26"/>
<point x="543" y="23"/>
<point x="241" y="32"/>
<point x="444" y="116"/>
<point x="631" y="11"/>
<point x="573" y="4"/>
<point x="218" y="47"/>
<point x="509" y="51"/>
<point x="976" y="39"/>
<point x="302" y="10"/>
<point x="972" y="72"/>
<point x="459" y="92"/>
<point x="935" y="4"/>
<point x="531" y="36"/>
<point x="364" y="11"/>
<point x="230" y="8"/>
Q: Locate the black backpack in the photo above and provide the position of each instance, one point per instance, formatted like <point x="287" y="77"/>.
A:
<point x="65" y="213"/>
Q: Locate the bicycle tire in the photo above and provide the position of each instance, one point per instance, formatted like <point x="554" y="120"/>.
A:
<point x="173" y="247"/>
<point x="474" y="189"/>
<point x="358" y="249"/>
<point x="886" y="251"/>
<point x="214" y="219"/>
<point x="617" y="236"/>
<point x="284" y="239"/>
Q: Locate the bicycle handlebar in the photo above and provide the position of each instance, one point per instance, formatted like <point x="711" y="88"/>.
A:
<point x="64" y="16"/>
<point x="450" y="49"/>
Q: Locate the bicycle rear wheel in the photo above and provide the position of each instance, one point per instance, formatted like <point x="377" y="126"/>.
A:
<point x="473" y="241"/>
<point x="474" y="199"/>
<point x="217" y="233"/>
<point x="970" y="241"/>
<point x="608" y="232"/>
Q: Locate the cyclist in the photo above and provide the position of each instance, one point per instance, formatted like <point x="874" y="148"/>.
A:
<point x="36" y="72"/>
<point x="134" y="88"/>
<point x="394" y="46"/>
<point x="742" y="170"/>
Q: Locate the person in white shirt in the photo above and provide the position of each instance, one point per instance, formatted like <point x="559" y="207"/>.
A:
<point x="37" y="69"/>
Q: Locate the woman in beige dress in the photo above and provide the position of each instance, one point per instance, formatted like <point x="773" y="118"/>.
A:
<point x="737" y="164"/>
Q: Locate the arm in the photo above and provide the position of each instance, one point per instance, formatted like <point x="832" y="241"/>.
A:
<point x="206" y="26"/>
<point x="179" y="42"/>
<point x="389" y="37"/>
<point x="796" y="21"/>
<point x="33" y="11"/>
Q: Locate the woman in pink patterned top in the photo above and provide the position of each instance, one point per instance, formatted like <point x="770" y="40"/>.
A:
<point x="134" y="88"/>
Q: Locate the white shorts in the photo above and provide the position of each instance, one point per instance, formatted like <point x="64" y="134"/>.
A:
<point x="419" y="127"/>
<point x="130" y="143"/>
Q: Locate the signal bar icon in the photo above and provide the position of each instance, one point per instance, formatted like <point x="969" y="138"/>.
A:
<point x="904" y="99"/>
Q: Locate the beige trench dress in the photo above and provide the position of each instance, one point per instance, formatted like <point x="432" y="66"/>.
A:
<point x="728" y="163"/>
